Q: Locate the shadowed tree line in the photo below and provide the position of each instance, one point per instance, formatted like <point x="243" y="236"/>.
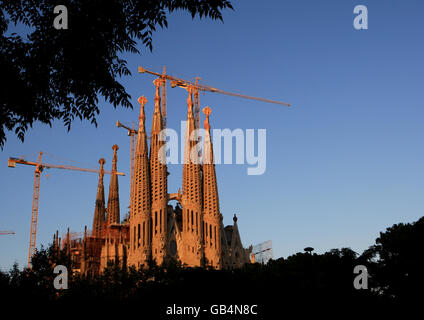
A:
<point x="305" y="282"/>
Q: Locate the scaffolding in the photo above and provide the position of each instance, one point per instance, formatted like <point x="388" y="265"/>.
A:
<point x="91" y="252"/>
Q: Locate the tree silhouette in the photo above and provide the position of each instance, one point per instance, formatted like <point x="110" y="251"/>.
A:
<point x="304" y="283"/>
<point x="308" y="250"/>
<point x="397" y="261"/>
<point x="60" y="74"/>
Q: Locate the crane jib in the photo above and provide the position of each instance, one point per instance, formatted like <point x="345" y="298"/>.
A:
<point x="176" y="82"/>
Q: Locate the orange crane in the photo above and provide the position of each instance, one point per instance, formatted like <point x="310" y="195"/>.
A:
<point x="177" y="82"/>
<point x="3" y="232"/>
<point x="131" y="133"/>
<point x="196" y="87"/>
<point x="39" y="167"/>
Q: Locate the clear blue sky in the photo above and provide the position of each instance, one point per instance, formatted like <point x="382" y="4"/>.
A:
<point x="344" y="163"/>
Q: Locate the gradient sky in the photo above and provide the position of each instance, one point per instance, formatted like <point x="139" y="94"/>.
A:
<point x="343" y="163"/>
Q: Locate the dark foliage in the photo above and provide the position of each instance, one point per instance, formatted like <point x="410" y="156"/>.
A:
<point x="303" y="283"/>
<point x="396" y="262"/>
<point x="60" y="74"/>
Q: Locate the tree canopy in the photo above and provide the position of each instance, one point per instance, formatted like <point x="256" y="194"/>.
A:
<point x="397" y="262"/>
<point x="303" y="282"/>
<point x="55" y="74"/>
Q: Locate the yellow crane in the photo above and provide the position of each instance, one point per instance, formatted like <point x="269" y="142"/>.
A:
<point x="39" y="167"/>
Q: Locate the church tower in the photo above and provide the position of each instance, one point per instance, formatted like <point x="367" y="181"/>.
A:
<point x="140" y="234"/>
<point x="192" y="232"/>
<point x="113" y="216"/>
<point x="211" y="213"/>
<point x="159" y="183"/>
<point x="192" y="251"/>
<point x="99" y="211"/>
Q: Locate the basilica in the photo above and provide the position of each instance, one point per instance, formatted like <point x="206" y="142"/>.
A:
<point x="191" y="233"/>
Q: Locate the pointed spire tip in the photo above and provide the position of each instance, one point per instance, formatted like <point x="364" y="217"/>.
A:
<point x="142" y="100"/>
<point x="207" y="111"/>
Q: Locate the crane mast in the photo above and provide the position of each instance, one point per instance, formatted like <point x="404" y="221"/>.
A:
<point x="34" y="210"/>
<point x="131" y="133"/>
<point x="196" y="103"/>
<point x="163" y="98"/>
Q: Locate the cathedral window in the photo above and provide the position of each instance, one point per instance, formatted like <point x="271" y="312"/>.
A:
<point x="138" y="238"/>
<point x="197" y="225"/>
<point x="215" y="235"/>
<point x="144" y="233"/>
<point x="210" y="232"/>
<point x="191" y="220"/>
<point x="156" y="222"/>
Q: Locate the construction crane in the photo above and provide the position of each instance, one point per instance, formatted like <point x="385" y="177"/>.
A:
<point x="4" y="232"/>
<point x="196" y="87"/>
<point x="131" y="133"/>
<point x="39" y="167"/>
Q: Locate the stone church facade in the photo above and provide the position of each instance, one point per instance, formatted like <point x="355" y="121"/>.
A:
<point x="191" y="233"/>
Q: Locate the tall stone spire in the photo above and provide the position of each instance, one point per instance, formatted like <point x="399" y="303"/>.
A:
<point x="140" y="218"/>
<point x="158" y="175"/>
<point x="211" y="213"/>
<point x="113" y="199"/>
<point x="99" y="211"/>
<point x="192" y="202"/>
